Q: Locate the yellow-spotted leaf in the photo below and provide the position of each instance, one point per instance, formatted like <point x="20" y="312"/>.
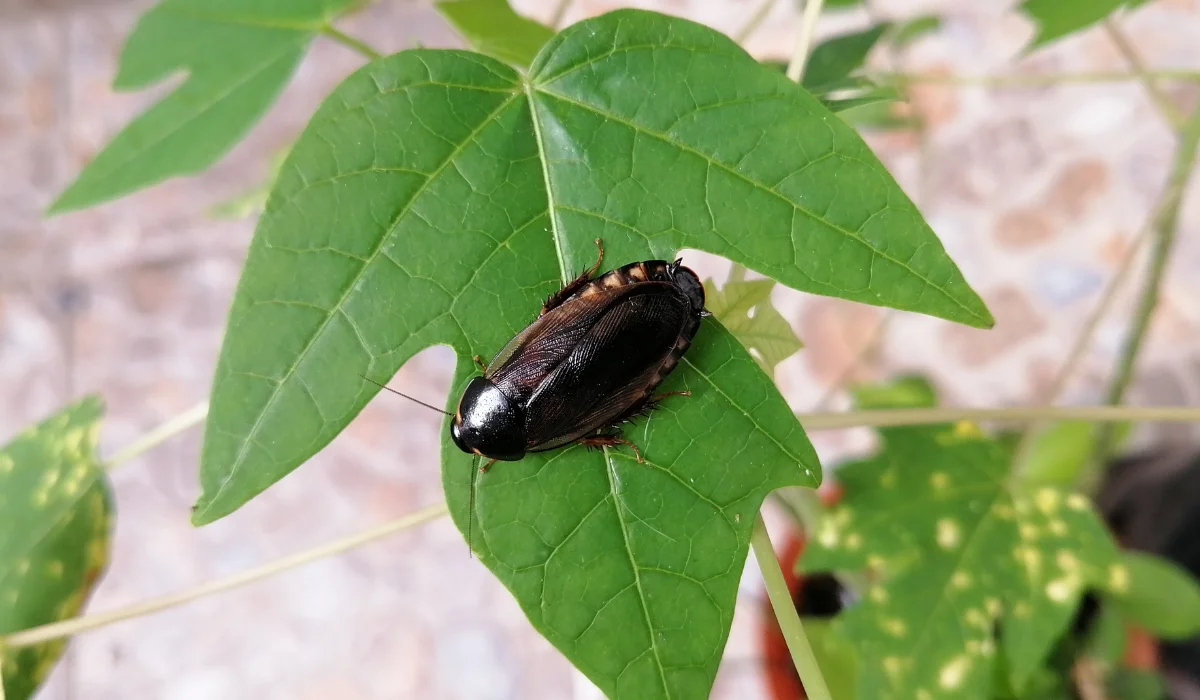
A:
<point x="55" y="513"/>
<point x="744" y="308"/>
<point x="970" y="567"/>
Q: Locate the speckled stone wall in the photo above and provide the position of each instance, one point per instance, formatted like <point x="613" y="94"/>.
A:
<point x="1037" y="192"/>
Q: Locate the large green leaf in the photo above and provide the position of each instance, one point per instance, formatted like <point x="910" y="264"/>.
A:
<point x="491" y="27"/>
<point x="962" y="550"/>
<point x="1056" y="19"/>
<point x="744" y="308"/>
<point x="238" y="55"/>
<point x="438" y="196"/>
<point x="1159" y="595"/>
<point x="55" y="513"/>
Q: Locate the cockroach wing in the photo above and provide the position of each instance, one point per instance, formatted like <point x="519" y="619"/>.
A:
<point x="613" y="367"/>
<point x="523" y="363"/>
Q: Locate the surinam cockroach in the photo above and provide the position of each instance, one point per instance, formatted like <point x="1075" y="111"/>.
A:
<point x="589" y="362"/>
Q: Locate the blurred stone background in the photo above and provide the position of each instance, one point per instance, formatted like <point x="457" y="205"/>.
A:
<point x="1037" y="192"/>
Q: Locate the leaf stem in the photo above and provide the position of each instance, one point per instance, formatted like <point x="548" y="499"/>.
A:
<point x="756" y="19"/>
<point x="73" y="626"/>
<point x="1041" y="80"/>
<point x="808" y="26"/>
<point x="920" y="416"/>
<point x="785" y="613"/>
<point x="1131" y="56"/>
<point x="350" y="42"/>
<point x="162" y="433"/>
<point x="1083" y="340"/>
<point x="560" y="11"/>
<point x="1165" y="227"/>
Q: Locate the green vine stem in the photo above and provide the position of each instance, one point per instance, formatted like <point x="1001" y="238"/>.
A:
<point x="1165" y="228"/>
<point x="922" y="416"/>
<point x="350" y="42"/>
<point x="1032" y="81"/>
<point x="785" y="612"/>
<point x="1134" y="59"/>
<point x="817" y="421"/>
<point x="73" y="626"/>
<point x="174" y="426"/>
<point x="808" y="26"/>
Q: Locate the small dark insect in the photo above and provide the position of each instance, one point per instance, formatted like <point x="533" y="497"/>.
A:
<point x="589" y="362"/>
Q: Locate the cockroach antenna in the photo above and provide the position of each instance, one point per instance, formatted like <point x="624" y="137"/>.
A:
<point x="471" y="502"/>
<point x="388" y="388"/>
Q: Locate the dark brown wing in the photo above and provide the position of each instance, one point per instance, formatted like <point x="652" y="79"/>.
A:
<point x="613" y="366"/>
<point x="524" y="362"/>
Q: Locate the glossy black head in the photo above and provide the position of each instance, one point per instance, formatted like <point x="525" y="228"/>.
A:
<point x="488" y="423"/>
<point x="689" y="283"/>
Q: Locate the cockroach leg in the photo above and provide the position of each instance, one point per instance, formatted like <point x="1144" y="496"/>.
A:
<point x="612" y="441"/>
<point x="660" y="397"/>
<point x="482" y="365"/>
<point x="576" y="284"/>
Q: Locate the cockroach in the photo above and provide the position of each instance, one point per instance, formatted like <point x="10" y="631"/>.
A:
<point x="589" y="362"/>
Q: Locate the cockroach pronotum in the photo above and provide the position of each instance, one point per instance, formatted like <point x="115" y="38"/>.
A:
<point x="589" y="362"/>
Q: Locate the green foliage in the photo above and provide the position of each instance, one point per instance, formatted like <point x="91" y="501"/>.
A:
<point x="1135" y="684"/>
<point x="744" y="308"/>
<point x="252" y="201"/>
<point x="835" y="657"/>
<point x="55" y="513"/>
<point x="1158" y="595"/>
<point x="493" y="28"/>
<point x="835" y="59"/>
<point x="1059" y="453"/>
<point x="961" y="549"/>
<point x="1059" y="18"/>
<point x="237" y="54"/>
<point x="906" y="33"/>
<point x="439" y="196"/>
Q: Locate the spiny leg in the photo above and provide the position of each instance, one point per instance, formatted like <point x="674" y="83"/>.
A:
<point x="576" y="284"/>
<point x="611" y="441"/>
<point x="660" y="397"/>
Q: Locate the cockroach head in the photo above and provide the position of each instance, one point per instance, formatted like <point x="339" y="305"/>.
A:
<point x="688" y="283"/>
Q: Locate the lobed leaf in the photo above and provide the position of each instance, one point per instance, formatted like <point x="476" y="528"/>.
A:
<point x="437" y="197"/>
<point x="224" y="94"/>
<point x="964" y="553"/>
<point x="55" y="517"/>
<point x="492" y="27"/>
<point x="744" y="308"/>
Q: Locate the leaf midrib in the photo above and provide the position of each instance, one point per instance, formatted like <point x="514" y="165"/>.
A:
<point x="337" y="307"/>
<point x="610" y="472"/>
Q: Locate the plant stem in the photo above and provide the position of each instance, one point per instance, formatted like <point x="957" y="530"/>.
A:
<point x="172" y="427"/>
<point x="560" y="11"/>
<point x="350" y="42"/>
<point x="1165" y="228"/>
<point x="1082" y="342"/>
<point x="785" y="613"/>
<point x="808" y="25"/>
<point x="67" y="628"/>
<point x="1019" y="81"/>
<point x="1127" y="50"/>
<point x="921" y="416"/>
<point x="756" y="19"/>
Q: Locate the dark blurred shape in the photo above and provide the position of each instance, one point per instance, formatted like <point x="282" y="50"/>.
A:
<point x="1151" y="501"/>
